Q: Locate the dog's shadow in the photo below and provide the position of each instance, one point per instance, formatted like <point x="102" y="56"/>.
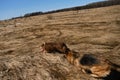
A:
<point x="114" y="75"/>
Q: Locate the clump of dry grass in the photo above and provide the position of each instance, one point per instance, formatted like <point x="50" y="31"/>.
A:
<point x="38" y="66"/>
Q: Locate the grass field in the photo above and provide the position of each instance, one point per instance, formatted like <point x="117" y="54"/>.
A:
<point x="94" y="31"/>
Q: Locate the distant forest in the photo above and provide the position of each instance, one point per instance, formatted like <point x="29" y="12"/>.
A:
<point x="88" y="6"/>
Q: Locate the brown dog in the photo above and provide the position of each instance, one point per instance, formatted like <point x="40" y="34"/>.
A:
<point x="91" y="64"/>
<point x="50" y="47"/>
<point x="95" y="65"/>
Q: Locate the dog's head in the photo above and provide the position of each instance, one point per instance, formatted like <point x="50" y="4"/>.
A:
<point x="72" y="57"/>
<point x="69" y="56"/>
<point x="42" y="47"/>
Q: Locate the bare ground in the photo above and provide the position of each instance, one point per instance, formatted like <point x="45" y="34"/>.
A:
<point x="94" y="31"/>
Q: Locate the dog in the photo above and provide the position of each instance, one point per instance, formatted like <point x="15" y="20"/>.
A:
<point x="52" y="47"/>
<point x="96" y="66"/>
<point x="71" y="56"/>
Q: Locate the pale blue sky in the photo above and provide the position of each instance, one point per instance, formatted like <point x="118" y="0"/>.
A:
<point x="14" y="8"/>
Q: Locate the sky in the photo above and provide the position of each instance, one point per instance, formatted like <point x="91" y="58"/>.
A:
<point x="15" y="8"/>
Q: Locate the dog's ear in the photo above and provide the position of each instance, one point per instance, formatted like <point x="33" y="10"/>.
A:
<point x="43" y="43"/>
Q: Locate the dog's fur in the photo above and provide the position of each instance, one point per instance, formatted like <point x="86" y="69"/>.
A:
<point x="71" y="56"/>
<point x="52" y="47"/>
<point x="96" y="66"/>
<point x="91" y="64"/>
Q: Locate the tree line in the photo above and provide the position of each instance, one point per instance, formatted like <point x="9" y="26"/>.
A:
<point x="88" y="6"/>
